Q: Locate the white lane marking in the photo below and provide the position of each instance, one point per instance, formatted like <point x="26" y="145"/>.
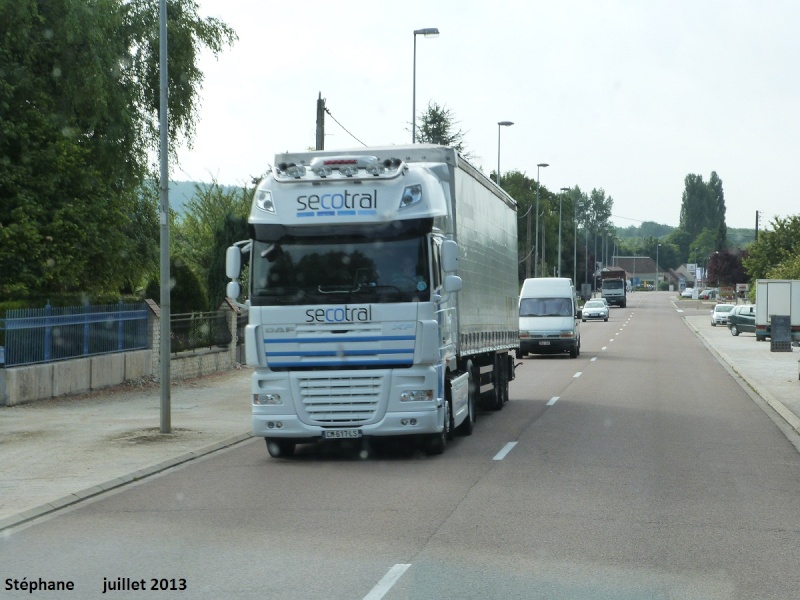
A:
<point x="578" y="374"/>
<point x="506" y="449"/>
<point x="593" y="359"/>
<point x="553" y="400"/>
<point x="604" y="347"/>
<point x="385" y="584"/>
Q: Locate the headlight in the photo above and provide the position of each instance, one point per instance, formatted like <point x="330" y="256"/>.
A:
<point x="568" y="334"/>
<point x="267" y="399"/>
<point x="411" y="195"/>
<point x="416" y="396"/>
<point x="264" y="201"/>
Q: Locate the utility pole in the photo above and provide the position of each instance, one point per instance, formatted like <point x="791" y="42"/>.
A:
<point x="756" y="225"/>
<point x="320" y="122"/>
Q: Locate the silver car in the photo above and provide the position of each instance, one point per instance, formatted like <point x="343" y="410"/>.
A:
<point x="719" y="316"/>
<point x="594" y="309"/>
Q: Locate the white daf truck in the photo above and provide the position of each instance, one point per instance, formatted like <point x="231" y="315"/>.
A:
<point x="382" y="296"/>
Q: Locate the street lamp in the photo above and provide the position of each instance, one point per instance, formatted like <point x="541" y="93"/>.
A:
<point x="655" y="285"/>
<point x="563" y="189"/>
<point x="499" y="125"/>
<point x="536" y="251"/>
<point x="574" y="245"/>
<point x="427" y="32"/>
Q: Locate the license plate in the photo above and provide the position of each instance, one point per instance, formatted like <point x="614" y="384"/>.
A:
<point x="544" y="343"/>
<point x="338" y="434"/>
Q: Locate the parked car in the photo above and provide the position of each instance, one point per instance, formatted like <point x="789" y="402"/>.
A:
<point x="720" y="313"/>
<point x="742" y="318"/>
<point x="687" y="293"/>
<point x="709" y="294"/>
<point x="595" y="309"/>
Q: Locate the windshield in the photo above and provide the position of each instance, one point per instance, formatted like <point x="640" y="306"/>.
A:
<point x="594" y="304"/>
<point x="320" y="271"/>
<point x="545" y="307"/>
<point x="613" y="284"/>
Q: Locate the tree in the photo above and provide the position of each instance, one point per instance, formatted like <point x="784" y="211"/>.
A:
<point x="717" y="198"/>
<point x="703" y="207"/>
<point x="79" y="98"/>
<point x="195" y="233"/>
<point x="437" y="125"/>
<point x="775" y="251"/>
<point x="725" y="268"/>
<point x="231" y="230"/>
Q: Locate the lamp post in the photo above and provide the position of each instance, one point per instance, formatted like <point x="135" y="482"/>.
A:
<point x="499" y="125"/>
<point x="536" y="248"/>
<point x="563" y="189"/>
<point x="574" y="245"/>
<point x="427" y="32"/>
<point x="655" y="284"/>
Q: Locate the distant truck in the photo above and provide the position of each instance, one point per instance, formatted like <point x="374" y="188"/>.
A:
<point x="777" y="297"/>
<point x="613" y="286"/>
<point x="382" y="296"/>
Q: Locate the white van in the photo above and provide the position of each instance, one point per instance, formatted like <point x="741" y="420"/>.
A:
<point x="549" y="319"/>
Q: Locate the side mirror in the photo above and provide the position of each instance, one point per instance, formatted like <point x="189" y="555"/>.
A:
<point x="450" y="256"/>
<point x="452" y="283"/>
<point x="232" y="290"/>
<point x="233" y="264"/>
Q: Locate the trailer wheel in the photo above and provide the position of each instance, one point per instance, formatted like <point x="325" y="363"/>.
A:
<point x="279" y="448"/>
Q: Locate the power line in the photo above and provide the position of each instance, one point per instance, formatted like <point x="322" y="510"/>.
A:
<point x="343" y="127"/>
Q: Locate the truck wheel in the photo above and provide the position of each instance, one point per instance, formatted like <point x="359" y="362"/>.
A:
<point x="734" y="330"/>
<point x="438" y="441"/>
<point x="279" y="448"/>
<point x="468" y="424"/>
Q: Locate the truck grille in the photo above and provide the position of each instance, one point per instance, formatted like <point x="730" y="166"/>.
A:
<point x="347" y="400"/>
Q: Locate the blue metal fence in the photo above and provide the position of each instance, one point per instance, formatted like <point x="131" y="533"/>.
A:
<point x="38" y="335"/>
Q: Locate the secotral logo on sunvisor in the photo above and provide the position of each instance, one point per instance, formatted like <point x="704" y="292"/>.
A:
<point x="339" y="314"/>
<point x="341" y="204"/>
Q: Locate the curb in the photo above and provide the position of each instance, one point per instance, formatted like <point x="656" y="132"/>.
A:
<point x="101" y="488"/>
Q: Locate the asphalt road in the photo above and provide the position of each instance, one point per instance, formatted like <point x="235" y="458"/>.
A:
<point x="640" y="469"/>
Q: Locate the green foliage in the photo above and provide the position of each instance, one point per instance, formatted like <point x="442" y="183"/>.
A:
<point x="788" y="269"/>
<point x="776" y="251"/>
<point x="78" y="113"/>
<point x="703" y="207"/>
<point x="437" y="125"/>
<point x="186" y="292"/>
<point x="194" y="235"/>
<point x="232" y="229"/>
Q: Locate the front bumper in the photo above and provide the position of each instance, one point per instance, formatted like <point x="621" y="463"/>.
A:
<point x="548" y="346"/>
<point x="289" y="426"/>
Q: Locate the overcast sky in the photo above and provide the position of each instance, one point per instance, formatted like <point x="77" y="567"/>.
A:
<point x="628" y="96"/>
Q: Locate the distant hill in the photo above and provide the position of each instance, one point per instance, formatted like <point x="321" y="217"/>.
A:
<point x="181" y="192"/>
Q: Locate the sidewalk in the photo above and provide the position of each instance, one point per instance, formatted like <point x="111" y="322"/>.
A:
<point x="57" y="452"/>
<point x="60" y="451"/>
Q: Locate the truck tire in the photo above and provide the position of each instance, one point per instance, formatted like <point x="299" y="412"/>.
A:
<point x="279" y="448"/>
<point x="438" y="441"/>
